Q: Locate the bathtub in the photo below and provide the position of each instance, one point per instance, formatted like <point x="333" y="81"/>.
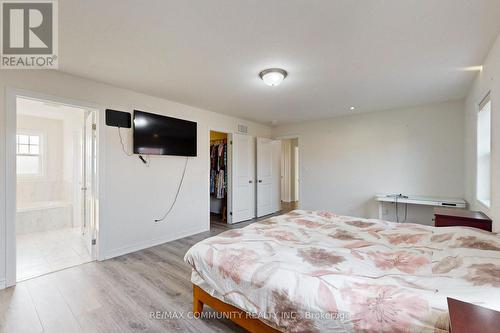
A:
<point x="43" y="216"/>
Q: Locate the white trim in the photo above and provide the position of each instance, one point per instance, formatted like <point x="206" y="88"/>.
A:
<point x="101" y="227"/>
<point x="10" y="173"/>
<point x="3" y="199"/>
<point x="2" y="284"/>
<point x="285" y="137"/>
<point x="10" y="188"/>
<point x="296" y="168"/>
<point x="150" y="243"/>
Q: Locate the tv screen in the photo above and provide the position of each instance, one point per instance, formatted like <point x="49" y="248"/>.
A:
<point x="160" y="135"/>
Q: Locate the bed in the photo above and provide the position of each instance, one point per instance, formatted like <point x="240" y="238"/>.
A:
<point x="314" y="271"/>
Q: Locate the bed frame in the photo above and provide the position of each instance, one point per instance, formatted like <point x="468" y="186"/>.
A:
<point x="238" y="316"/>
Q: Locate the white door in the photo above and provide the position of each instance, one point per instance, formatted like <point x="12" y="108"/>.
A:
<point x="268" y="176"/>
<point x="243" y="185"/>
<point x="89" y="182"/>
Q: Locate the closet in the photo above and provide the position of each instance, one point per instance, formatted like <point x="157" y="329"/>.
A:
<point x="218" y="176"/>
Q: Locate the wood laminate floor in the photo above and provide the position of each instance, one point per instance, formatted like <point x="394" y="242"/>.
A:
<point x="116" y="295"/>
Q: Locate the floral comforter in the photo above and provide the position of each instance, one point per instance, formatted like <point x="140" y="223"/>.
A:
<point x="316" y="271"/>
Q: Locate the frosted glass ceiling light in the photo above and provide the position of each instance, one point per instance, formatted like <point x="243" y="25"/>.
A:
<point x="273" y="76"/>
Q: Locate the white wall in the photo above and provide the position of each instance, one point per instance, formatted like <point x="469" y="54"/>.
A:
<point x="49" y="186"/>
<point x="487" y="80"/>
<point x="346" y="161"/>
<point x="134" y="195"/>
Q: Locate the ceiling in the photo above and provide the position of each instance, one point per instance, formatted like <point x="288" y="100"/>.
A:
<point x="373" y="55"/>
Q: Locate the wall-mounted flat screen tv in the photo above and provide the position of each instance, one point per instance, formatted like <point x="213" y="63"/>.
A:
<point x="161" y="135"/>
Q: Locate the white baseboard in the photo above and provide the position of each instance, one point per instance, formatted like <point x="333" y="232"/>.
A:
<point x="2" y="284"/>
<point x="150" y="243"/>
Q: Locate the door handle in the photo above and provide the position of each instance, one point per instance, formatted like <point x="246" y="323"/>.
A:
<point x="250" y="182"/>
<point x="260" y="180"/>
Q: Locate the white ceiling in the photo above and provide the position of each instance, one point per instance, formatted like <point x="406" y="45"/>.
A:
<point x="375" y="55"/>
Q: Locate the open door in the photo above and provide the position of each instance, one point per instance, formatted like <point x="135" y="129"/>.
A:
<point x="268" y="176"/>
<point x="89" y="182"/>
<point x="243" y="185"/>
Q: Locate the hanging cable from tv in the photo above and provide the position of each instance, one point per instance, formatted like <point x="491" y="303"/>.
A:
<point x="146" y="160"/>
<point x="176" y="194"/>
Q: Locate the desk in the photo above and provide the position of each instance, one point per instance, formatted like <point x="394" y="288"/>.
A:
<point x="416" y="200"/>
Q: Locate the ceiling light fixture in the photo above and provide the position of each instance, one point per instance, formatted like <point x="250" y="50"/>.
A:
<point x="273" y="76"/>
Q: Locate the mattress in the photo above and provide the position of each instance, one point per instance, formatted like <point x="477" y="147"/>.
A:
<point x="315" y="271"/>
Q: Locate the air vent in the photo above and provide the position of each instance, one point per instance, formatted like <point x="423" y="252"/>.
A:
<point x="242" y="128"/>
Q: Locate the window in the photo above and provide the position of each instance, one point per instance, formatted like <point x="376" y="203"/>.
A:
<point x="483" y="190"/>
<point x="29" y="159"/>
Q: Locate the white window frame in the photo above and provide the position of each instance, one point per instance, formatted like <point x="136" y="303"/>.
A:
<point x="484" y="102"/>
<point x="41" y="154"/>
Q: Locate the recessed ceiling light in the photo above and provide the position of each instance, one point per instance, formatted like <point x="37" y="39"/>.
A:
<point x="352" y="108"/>
<point x="273" y="76"/>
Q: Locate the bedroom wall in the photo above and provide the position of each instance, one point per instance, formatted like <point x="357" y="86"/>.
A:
<point x="134" y="195"/>
<point x="487" y="80"/>
<point x="346" y="161"/>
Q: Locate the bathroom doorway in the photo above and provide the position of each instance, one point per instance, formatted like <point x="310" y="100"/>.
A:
<point x="55" y="181"/>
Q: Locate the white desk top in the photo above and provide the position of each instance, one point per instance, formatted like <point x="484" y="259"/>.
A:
<point x="428" y="201"/>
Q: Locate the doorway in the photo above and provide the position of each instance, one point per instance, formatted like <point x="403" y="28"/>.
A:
<point x="55" y="183"/>
<point x="290" y="173"/>
<point x="277" y="175"/>
<point x="219" y="177"/>
<point x="231" y="177"/>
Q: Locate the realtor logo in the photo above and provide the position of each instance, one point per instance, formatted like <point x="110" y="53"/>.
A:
<point x="29" y="34"/>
